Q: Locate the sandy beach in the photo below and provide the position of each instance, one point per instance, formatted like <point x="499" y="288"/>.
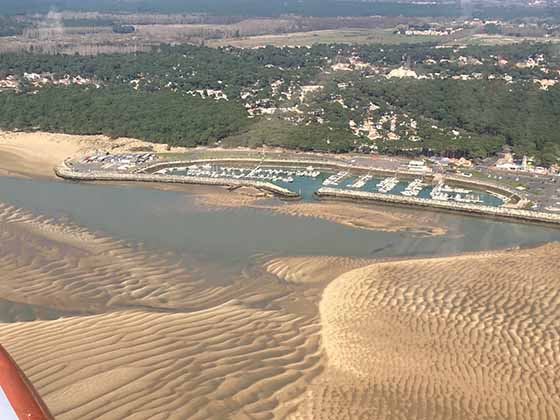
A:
<point x="36" y="154"/>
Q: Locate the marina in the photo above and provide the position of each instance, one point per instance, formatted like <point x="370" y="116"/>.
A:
<point x="257" y="173"/>
<point x="289" y="180"/>
<point x="442" y="192"/>
<point x="307" y="180"/>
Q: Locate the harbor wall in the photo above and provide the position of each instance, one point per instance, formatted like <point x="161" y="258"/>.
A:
<point x="500" y="212"/>
<point x="63" y="171"/>
<point x="512" y="195"/>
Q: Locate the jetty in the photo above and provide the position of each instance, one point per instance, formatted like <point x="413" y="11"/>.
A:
<point x="469" y="208"/>
<point x="65" y="172"/>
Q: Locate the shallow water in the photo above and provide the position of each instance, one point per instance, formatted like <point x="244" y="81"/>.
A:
<point x="171" y="221"/>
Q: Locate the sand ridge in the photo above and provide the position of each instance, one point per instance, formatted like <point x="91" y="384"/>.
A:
<point x="467" y="337"/>
<point x="356" y="216"/>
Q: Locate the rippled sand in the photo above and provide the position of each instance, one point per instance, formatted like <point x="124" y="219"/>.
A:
<point x="387" y="219"/>
<point x="155" y="339"/>
<point x="146" y="335"/>
<point x="467" y="337"/>
<point x="208" y="364"/>
<point x="115" y="330"/>
<point x="312" y="270"/>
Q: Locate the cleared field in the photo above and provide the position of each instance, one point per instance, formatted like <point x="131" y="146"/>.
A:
<point x="344" y="36"/>
<point x="483" y="39"/>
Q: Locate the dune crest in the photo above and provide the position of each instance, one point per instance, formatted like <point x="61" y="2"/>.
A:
<point x="312" y="270"/>
<point x="467" y="337"/>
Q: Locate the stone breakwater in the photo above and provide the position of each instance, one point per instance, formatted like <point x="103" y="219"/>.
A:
<point x="525" y="215"/>
<point x="65" y="172"/>
<point x="505" y="193"/>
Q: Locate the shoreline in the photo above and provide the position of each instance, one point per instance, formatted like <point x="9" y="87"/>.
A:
<point x="65" y="172"/>
<point x="145" y="174"/>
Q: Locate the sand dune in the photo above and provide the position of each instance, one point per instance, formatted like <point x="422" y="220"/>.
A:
<point x="468" y="337"/>
<point x="226" y="362"/>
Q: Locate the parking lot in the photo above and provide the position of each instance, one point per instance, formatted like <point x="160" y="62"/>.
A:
<point x="108" y="162"/>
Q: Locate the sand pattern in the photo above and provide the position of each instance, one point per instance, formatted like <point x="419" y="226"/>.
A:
<point x="312" y="270"/>
<point x="155" y="339"/>
<point x="466" y="337"/>
<point x="63" y="266"/>
<point x="226" y="362"/>
<point x="147" y="335"/>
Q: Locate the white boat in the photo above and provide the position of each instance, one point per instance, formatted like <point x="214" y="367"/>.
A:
<point x="335" y="179"/>
<point x="361" y="181"/>
<point x="387" y="185"/>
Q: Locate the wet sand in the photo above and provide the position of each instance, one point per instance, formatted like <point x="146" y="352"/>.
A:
<point x="156" y="340"/>
<point x="354" y="215"/>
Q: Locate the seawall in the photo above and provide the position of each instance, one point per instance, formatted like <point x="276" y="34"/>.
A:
<point x="65" y="172"/>
<point x="474" y="209"/>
